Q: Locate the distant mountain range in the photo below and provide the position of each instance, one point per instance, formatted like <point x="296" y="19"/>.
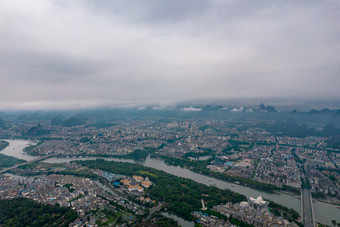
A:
<point x="68" y="118"/>
<point x="324" y="122"/>
<point x="86" y="114"/>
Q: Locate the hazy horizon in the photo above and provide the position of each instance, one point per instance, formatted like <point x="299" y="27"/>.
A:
<point x="279" y="105"/>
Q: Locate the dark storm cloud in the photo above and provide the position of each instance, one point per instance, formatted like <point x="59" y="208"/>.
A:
<point x="87" y="53"/>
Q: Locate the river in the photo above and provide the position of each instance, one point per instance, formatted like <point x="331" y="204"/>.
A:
<point x="16" y="149"/>
<point x="201" y="158"/>
<point x="323" y="213"/>
<point x="180" y="221"/>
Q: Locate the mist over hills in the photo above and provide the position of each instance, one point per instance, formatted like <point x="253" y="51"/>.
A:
<point x="58" y="117"/>
<point x="324" y="122"/>
<point x="290" y="122"/>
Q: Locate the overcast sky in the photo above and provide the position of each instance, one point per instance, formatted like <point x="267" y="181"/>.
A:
<point x="80" y="53"/>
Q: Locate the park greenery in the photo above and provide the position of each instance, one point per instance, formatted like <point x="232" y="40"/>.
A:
<point x="181" y="195"/>
<point x="139" y="154"/>
<point x="239" y="223"/>
<point x="200" y="167"/>
<point x="24" y="212"/>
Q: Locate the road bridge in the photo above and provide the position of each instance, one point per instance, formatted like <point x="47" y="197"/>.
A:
<point x="307" y="203"/>
<point x="154" y="209"/>
<point x="25" y="163"/>
<point x="308" y="215"/>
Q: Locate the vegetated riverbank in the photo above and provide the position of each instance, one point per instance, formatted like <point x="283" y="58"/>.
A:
<point x="5" y="160"/>
<point x="195" y="166"/>
<point x="29" y="148"/>
<point x="182" y="195"/>
<point x="3" y="144"/>
<point x="200" y="167"/>
<point x="8" y="161"/>
<point x="287" y="193"/>
<point x="324" y="213"/>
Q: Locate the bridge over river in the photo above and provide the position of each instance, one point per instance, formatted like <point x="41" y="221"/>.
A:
<point x="26" y="163"/>
<point x="307" y="213"/>
<point x="323" y="213"/>
<point x="307" y="210"/>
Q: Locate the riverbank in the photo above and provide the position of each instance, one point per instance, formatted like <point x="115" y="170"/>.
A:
<point x="328" y="204"/>
<point x="8" y="161"/>
<point x="324" y="213"/>
<point x="287" y="193"/>
<point x="200" y="167"/>
<point x="183" y="195"/>
<point x="3" y="144"/>
<point x="16" y="149"/>
<point x="268" y="188"/>
<point x="5" y="160"/>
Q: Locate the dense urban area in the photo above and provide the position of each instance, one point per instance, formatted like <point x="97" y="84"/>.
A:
<point x="259" y="148"/>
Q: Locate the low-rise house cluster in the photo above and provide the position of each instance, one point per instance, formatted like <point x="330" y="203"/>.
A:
<point x="79" y="193"/>
<point x="254" y="211"/>
<point x="210" y="220"/>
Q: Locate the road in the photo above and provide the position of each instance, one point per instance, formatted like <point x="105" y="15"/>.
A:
<point x="26" y="163"/>
<point x="154" y="209"/>
<point x="307" y="203"/>
<point x="307" y="208"/>
<point x="107" y="189"/>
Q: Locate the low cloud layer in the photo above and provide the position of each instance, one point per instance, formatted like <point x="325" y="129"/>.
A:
<point x="191" y="109"/>
<point x="82" y="53"/>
